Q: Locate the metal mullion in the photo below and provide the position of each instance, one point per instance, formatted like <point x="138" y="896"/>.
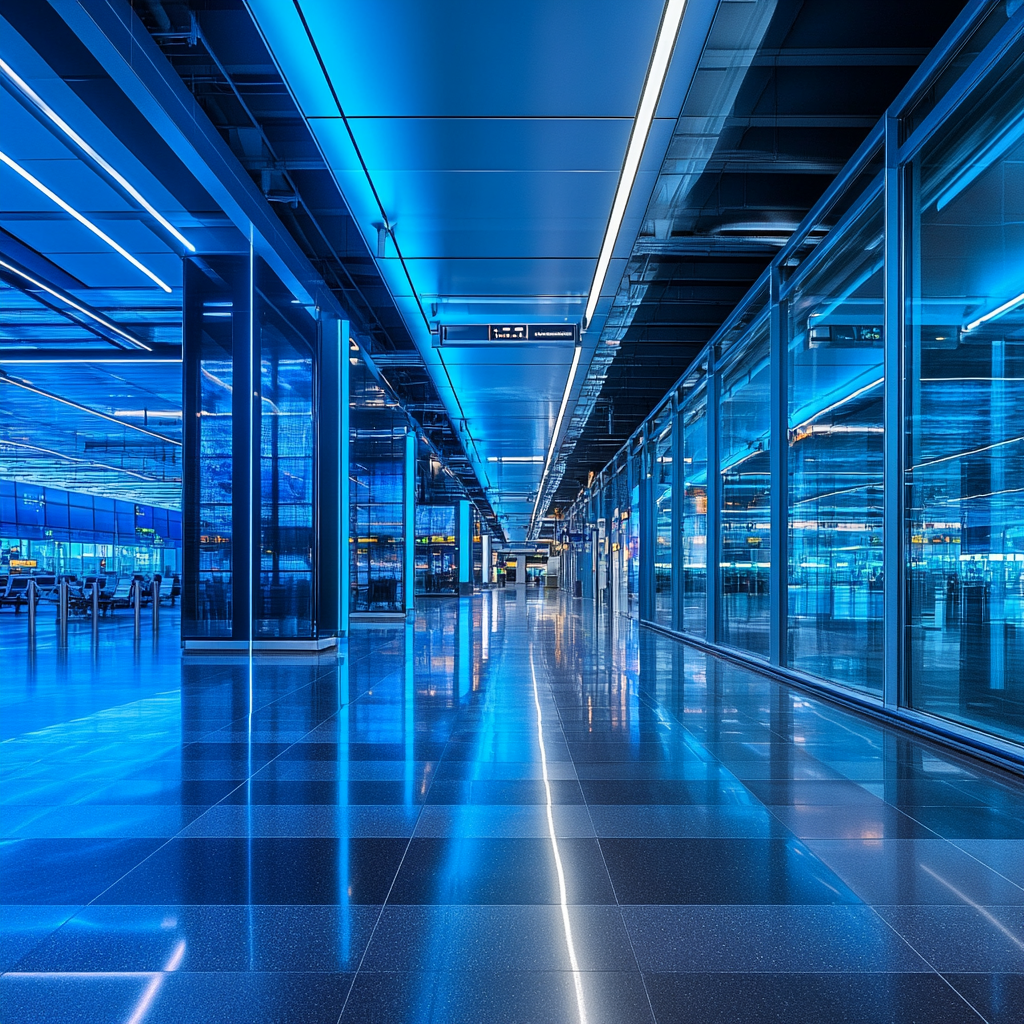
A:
<point x="892" y="404"/>
<point x="675" y="477"/>
<point x="777" y="460"/>
<point x="714" y="528"/>
<point x="961" y="89"/>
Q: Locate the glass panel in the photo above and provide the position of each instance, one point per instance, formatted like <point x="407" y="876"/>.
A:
<point x="745" y="485"/>
<point x="694" y="514"/>
<point x="436" y="551"/>
<point x="215" y="317"/>
<point x="631" y="552"/>
<point x="287" y="337"/>
<point x="378" y="513"/>
<point x="964" y="538"/>
<point x="661" y="476"/>
<point x="835" y="460"/>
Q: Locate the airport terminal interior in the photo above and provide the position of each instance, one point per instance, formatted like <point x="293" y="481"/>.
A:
<point x="511" y="513"/>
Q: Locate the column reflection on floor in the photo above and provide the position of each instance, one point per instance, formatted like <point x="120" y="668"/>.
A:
<point x="506" y="809"/>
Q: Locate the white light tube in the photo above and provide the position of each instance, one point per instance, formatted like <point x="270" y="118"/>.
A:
<point x="16" y="167"/>
<point x="103" y="321"/>
<point x="77" y="139"/>
<point x="638" y="139"/>
<point x="577" y="352"/>
<point x="515" y="458"/>
<point x="996" y="313"/>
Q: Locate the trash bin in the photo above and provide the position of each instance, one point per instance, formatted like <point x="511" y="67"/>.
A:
<point x="577" y="588"/>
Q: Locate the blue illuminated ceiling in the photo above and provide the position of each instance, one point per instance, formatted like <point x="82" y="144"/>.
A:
<point x="492" y="136"/>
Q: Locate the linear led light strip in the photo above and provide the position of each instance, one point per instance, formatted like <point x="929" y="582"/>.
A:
<point x="663" y="47"/>
<point x="637" y="140"/>
<point x="19" y="383"/>
<point x="77" y="139"/>
<point x="103" y="321"/>
<point x="996" y="313"/>
<point x="50" y="194"/>
<point x="577" y="352"/>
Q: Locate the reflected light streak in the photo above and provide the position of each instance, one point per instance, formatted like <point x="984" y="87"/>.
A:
<point x="566" y="924"/>
<point x="981" y="910"/>
<point x="143" y="1005"/>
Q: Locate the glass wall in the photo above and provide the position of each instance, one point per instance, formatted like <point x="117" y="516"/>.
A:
<point x="216" y="322"/>
<point x="835" y="433"/>
<point x="891" y="456"/>
<point x="377" y="474"/>
<point x="693" y="520"/>
<point x="248" y="490"/>
<point x="744" y="494"/>
<point x="436" y="551"/>
<point x="632" y="530"/>
<point x="661" y="450"/>
<point x="283" y="605"/>
<point x="964" y="538"/>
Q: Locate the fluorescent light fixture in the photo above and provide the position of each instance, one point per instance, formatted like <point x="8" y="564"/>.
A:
<point x="996" y="313"/>
<point x="577" y="352"/>
<point x="637" y="140"/>
<point x="35" y="182"/>
<point x="515" y="458"/>
<point x="102" y="320"/>
<point x="77" y="139"/>
<point x="19" y="383"/>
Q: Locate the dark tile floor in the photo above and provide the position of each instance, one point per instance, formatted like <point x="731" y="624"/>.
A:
<point x="504" y="811"/>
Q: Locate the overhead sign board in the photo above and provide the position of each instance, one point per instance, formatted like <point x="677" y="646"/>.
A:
<point x="481" y="334"/>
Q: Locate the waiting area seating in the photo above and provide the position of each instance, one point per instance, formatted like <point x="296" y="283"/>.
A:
<point x="114" y="591"/>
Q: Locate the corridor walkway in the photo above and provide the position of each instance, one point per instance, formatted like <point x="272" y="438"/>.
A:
<point x="505" y="811"/>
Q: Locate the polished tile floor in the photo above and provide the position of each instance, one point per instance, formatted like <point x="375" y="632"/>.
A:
<point x="502" y="811"/>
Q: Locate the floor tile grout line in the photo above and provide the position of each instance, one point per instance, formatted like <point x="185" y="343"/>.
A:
<point x="919" y="953"/>
<point x="178" y="834"/>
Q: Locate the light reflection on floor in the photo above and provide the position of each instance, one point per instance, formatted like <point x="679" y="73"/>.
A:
<point x="379" y="837"/>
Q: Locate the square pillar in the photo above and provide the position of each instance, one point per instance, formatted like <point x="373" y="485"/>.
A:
<point x="252" y="366"/>
<point x="465" y="549"/>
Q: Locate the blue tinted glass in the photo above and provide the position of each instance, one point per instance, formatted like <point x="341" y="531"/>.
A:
<point x="56" y="515"/>
<point x="80" y="518"/>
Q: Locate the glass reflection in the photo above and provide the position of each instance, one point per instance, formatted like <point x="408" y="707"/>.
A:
<point x="964" y="537"/>
<point x="661" y="474"/>
<point x="694" y="515"/>
<point x="835" y="444"/>
<point x="745" y="486"/>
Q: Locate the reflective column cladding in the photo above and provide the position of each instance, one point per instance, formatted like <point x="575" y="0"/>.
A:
<point x="378" y="510"/>
<point x="250" y="544"/>
<point x="964" y="542"/>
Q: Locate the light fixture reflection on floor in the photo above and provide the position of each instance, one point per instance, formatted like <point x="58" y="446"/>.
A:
<point x="562" y="897"/>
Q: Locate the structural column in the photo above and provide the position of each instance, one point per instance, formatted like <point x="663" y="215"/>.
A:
<point x="464" y="525"/>
<point x="409" y="588"/>
<point x="254" y="507"/>
<point x="485" y="559"/>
